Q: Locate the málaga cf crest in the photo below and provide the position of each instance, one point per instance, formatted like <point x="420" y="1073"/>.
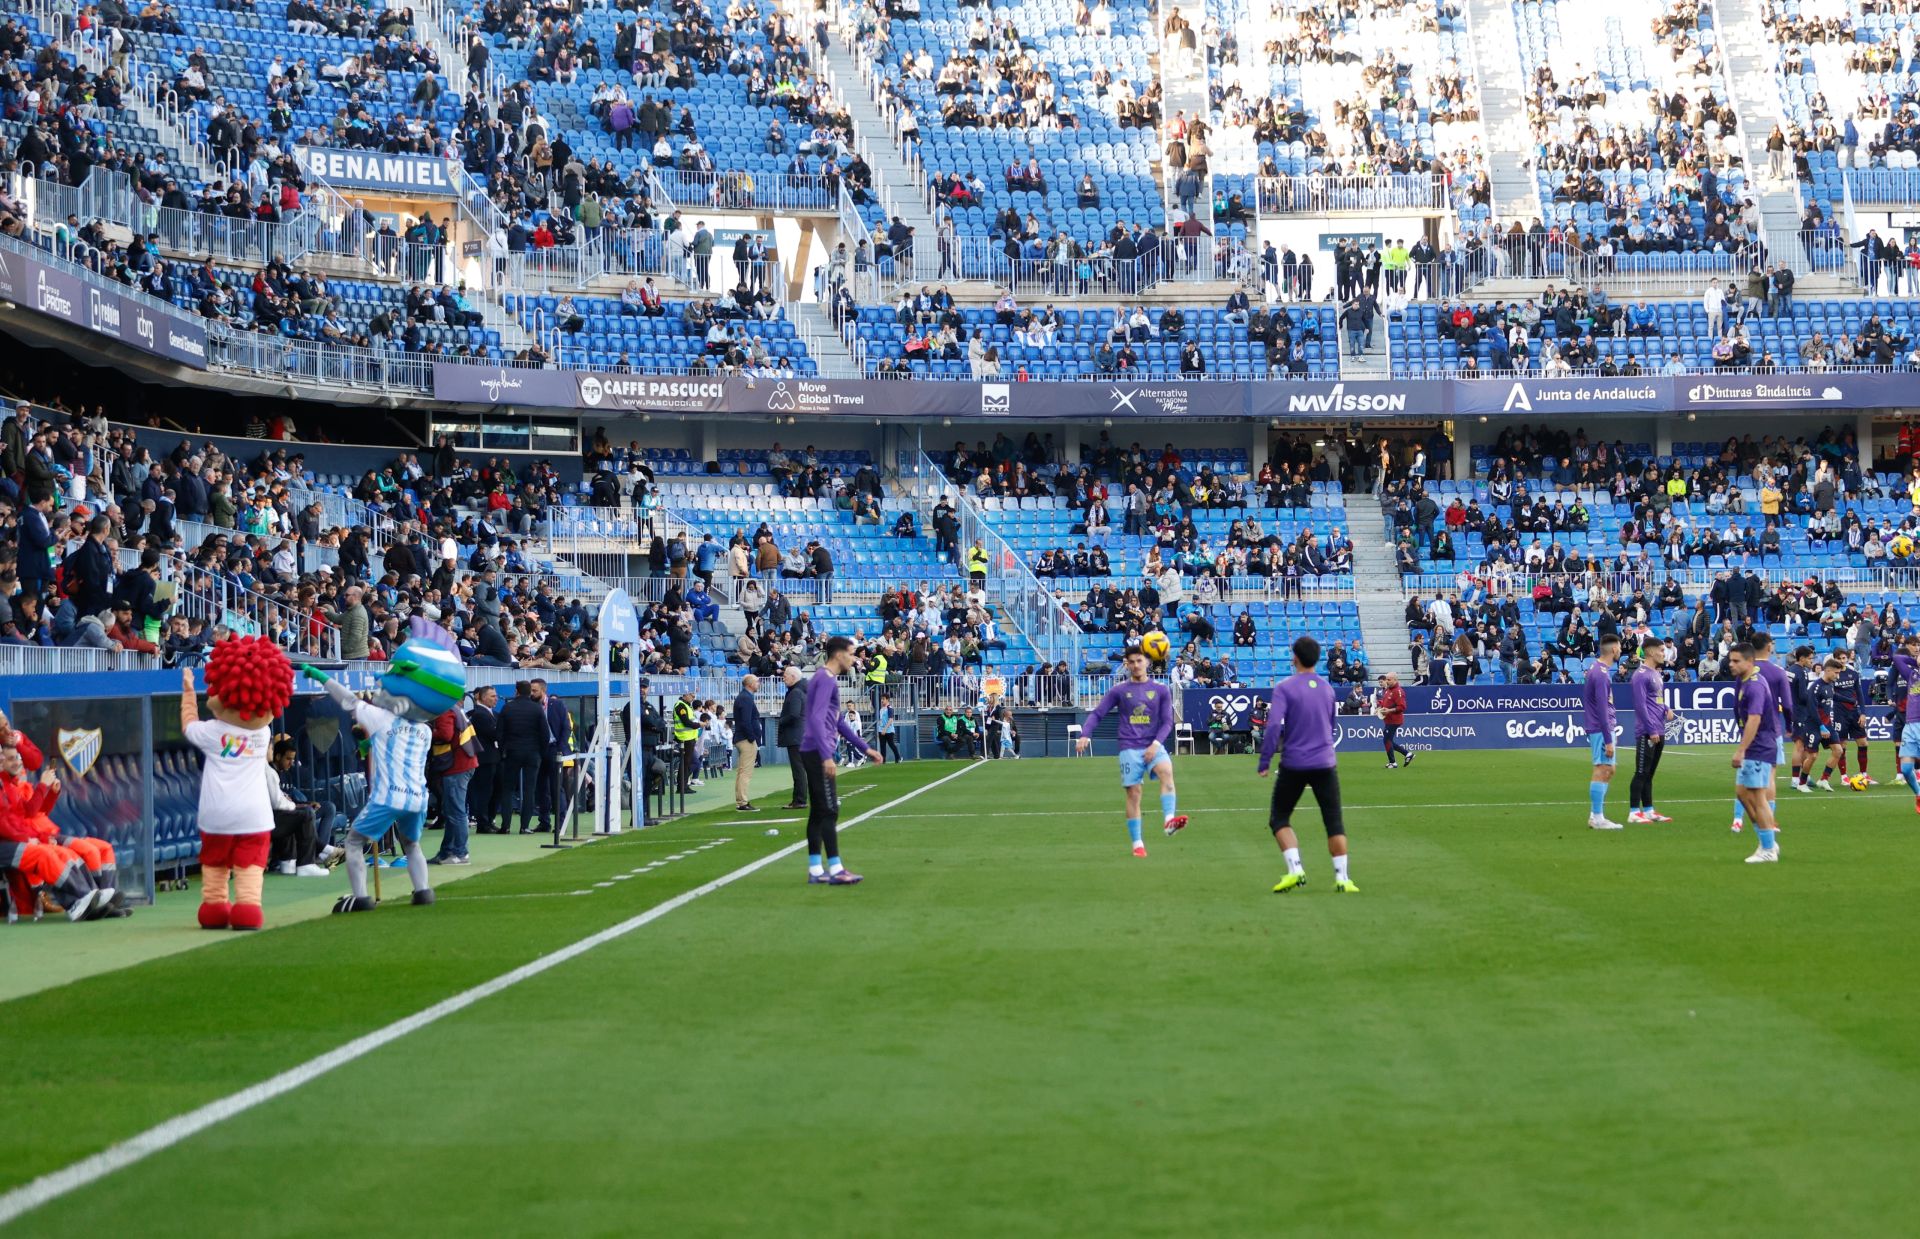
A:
<point x="80" y="748"/>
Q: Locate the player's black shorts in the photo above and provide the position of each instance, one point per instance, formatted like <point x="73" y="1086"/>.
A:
<point x="1809" y="737"/>
<point x="1289" y="785"/>
<point x="1851" y="727"/>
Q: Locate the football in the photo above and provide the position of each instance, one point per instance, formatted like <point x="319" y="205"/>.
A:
<point x="1154" y="645"/>
<point x="1858" y="782"/>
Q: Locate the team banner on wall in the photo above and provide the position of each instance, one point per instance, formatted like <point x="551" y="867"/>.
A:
<point x="1513" y="716"/>
<point x="120" y="316"/>
<point x="1318" y="401"/>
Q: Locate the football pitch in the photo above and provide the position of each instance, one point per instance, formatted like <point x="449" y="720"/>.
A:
<point x="1518" y="1027"/>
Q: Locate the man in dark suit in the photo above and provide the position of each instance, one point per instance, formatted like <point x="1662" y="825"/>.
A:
<point x="484" y="791"/>
<point x="36" y="541"/>
<point x="559" y="740"/>
<point x="523" y="743"/>
<point x="89" y="576"/>
<point x="749" y="732"/>
<point x="793" y="721"/>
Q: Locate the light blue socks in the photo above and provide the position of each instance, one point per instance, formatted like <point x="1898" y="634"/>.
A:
<point x="1597" y="798"/>
<point x="1167" y="801"/>
<point x="1133" y="828"/>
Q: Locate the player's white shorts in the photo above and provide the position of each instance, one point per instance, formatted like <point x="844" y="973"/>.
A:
<point x="1134" y="767"/>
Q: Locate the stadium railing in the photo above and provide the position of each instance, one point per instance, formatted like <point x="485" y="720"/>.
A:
<point x="1687" y="369"/>
<point x="1848" y="576"/>
<point x="1028" y="604"/>
<point x="741" y="191"/>
<point x="70" y="660"/>
<point x="1179" y="260"/>
<point x="1315" y="193"/>
<point x="1533" y="257"/>
<point x="218" y="599"/>
<point x="863" y="284"/>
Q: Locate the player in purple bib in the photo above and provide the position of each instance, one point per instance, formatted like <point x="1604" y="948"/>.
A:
<point x="1301" y="726"/>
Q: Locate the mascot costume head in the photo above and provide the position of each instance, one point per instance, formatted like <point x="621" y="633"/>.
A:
<point x="423" y="680"/>
<point x="249" y="682"/>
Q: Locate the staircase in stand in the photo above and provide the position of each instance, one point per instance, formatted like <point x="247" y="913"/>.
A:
<point x="1377" y="588"/>
<point x="1496" y="56"/>
<point x="1750" y="65"/>
<point x="895" y="183"/>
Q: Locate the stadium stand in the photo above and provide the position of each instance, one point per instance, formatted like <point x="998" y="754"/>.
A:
<point x="928" y="334"/>
<point x="1759" y="327"/>
<point x="1850" y="109"/>
<point x="1557" y="540"/>
<point x="1351" y="108"/>
<point x="1018" y="108"/>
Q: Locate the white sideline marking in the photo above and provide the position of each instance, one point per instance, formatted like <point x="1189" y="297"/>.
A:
<point x="1351" y="807"/>
<point x="55" y="1184"/>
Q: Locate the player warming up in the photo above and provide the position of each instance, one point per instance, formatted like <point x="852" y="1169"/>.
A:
<point x="1799" y="671"/>
<point x="1780" y="684"/>
<point x="422" y="682"/>
<point x="1146" y="728"/>
<point x="1906" y="675"/>
<point x="1596" y="700"/>
<point x="1650" y="715"/>
<point x="1852" y="722"/>
<point x="1817" y="726"/>
<point x="1300" y="724"/>
<point x="1390" y="707"/>
<point x="823" y="725"/>
<point x="1757" y="714"/>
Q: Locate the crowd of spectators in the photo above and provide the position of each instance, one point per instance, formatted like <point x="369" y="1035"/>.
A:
<point x="1735" y="506"/>
<point x="1480" y="628"/>
<point x="1660" y="167"/>
<point x="108" y="546"/>
<point x="1874" y="120"/>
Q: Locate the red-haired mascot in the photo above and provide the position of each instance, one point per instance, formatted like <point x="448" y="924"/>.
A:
<point x="249" y="681"/>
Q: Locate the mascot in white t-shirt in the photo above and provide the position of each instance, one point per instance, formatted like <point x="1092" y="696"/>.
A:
<point x="249" y="682"/>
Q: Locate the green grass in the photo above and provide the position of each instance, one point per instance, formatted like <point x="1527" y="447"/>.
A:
<point x="1521" y="1027"/>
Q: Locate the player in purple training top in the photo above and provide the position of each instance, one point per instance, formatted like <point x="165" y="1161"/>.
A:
<point x="1301" y="725"/>
<point x="1650" y="715"/>
<point x="822" y="726"/>
<point x="1906" y="674"/>
<point x="1596" y="703"/>
<point x="1780" y="684"/>
<point x="1756" y="711"/>
<point x="1146" y="734"/>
